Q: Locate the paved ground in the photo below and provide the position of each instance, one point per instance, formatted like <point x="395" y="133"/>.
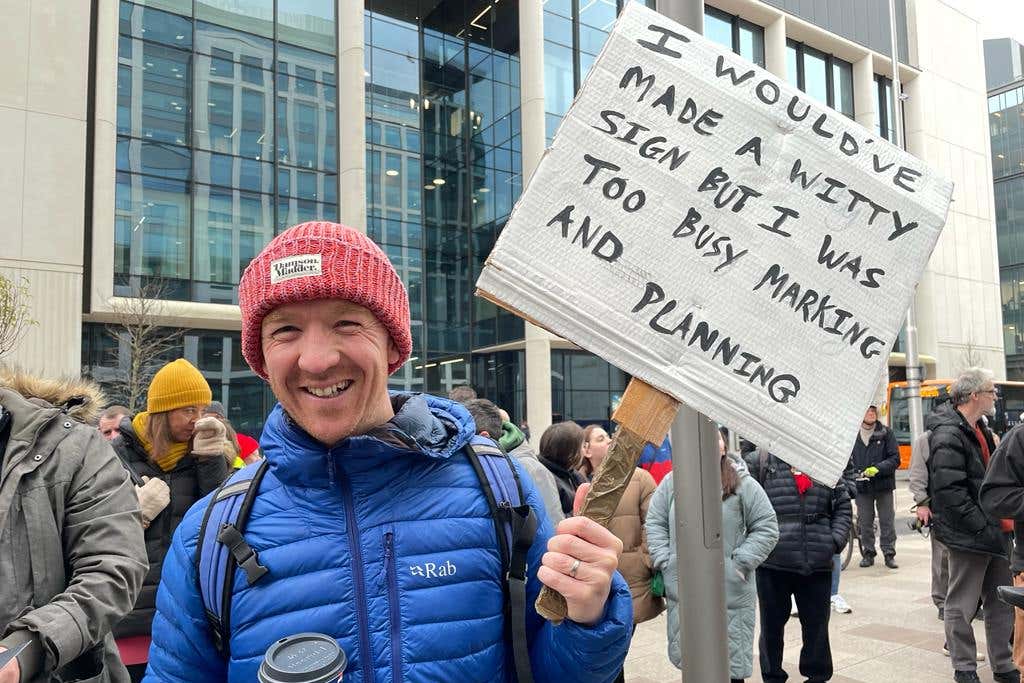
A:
<point x="893" y="634"/>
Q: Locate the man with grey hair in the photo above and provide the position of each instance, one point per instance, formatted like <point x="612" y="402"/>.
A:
<point x="961" y="445"/>
<point x="492" y="422"/>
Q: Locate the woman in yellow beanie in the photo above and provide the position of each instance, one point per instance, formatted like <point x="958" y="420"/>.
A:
<point x="176" y="457"/>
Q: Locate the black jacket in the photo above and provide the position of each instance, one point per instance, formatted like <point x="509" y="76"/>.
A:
<point x="190" y="480"/>
<point x="955" y="474"/>
<point x="881" y="452"/>
<point x="1002" y="491"/>
<point x="567" y="482"/>
<point x="812" y="527"/>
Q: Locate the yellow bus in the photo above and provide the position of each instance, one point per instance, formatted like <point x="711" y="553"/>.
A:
<point x="1009" y="406"/>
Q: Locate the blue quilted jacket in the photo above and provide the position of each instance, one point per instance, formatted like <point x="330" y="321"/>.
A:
<point x="386" y="543"/>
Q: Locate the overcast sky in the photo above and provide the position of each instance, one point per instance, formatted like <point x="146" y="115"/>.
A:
<point x="999" y="18"/>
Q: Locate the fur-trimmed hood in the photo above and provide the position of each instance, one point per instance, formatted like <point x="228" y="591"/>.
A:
<point x="82" y="399"/>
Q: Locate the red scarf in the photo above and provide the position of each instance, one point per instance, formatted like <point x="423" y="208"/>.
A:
<point x="803" y="482"/>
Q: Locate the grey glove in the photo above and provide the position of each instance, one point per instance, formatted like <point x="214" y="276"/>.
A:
<point x="154" y="496"/>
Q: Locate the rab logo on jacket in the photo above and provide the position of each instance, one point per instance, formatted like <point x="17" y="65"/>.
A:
<point x="432" y="570"/>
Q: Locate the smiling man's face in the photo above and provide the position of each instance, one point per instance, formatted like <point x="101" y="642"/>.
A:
<point x="327" y="362"/>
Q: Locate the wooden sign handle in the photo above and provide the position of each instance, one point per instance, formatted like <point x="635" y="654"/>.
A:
<point x="644" y="416"/>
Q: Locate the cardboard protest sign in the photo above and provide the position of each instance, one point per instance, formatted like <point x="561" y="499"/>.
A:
<point x="713" y="231"/>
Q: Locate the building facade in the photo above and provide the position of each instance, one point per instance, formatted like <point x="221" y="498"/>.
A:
<point x="160" y="143"/>
<point x="1005" y="76"/>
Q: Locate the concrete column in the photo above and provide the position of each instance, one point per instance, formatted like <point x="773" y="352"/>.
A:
<point x="775" y="47"/>
<point x="351" y="115"/>
<point x="865" y="94"/>
<point x="104" y="166"/>
<point x="531" y="88"/>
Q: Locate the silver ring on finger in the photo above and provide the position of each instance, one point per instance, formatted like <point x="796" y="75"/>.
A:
<point x="573" y="569"/>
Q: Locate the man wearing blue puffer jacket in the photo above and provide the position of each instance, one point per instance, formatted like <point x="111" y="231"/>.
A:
<point x="370" y="519"/>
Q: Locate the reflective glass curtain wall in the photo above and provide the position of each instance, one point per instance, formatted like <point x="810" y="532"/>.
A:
<point x="444" y="167"/>
<point x="227" y="133"/>
<point x="1006" y="131"/>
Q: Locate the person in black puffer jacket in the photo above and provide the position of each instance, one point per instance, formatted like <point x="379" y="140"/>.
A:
<point x="960" y="445"/>
<point x="175" y="458"/>
<point x="814" y="525"/>
<point x="561" y="451"/>
<point x="876" y="455"/>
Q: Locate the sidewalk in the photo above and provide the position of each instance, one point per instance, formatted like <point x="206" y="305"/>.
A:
<point x="892" y="635"/>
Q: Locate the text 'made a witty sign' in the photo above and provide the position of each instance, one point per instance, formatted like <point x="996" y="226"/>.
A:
<point x="714" y="232"/>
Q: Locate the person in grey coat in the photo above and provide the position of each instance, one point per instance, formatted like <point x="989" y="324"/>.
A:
<point x="749" y="533"/>
<point x="72" y="556"/>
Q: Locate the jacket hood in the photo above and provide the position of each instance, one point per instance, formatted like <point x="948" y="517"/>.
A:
<point x="427" y="425"/>
<point x="511" y="437"/>
<point x="945" y="416"/>
<point x="81" y="399"/>
<point x="739" y="465"/>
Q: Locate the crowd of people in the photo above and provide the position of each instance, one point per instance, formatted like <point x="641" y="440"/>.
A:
<point x="417" y="531"/>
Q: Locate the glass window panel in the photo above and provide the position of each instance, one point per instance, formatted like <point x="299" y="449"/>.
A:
<point x="222" y="63"/>
<point x="558" y="29"/>
<point x="815" y="83"/>
<point x="154" y="158"/>
<point x="183" y="7"/>
<point x="252" y="16"/>
<point x="842" y="86"/>
<point x="255" y="137"/>
<point x="395" y="71"/>
<point x="309" y="23"/>
<point x="792" y="72"/>
<point x="322" y="65"/>
<point x="751" y="45"/>
<point x="252" y="71"/>
<point x="400" y="37"/>
<point x="718" y="27"/>
<point x="562" y="7"/>
<point x="558" y="85"/>
<point x="158" y="75"/>
<point x="157" y="210"/>
<point x="592" y="39"/>
<point x="229" y="45"/>
<point x="155" y="26"/>
<point x="598" y="13"/>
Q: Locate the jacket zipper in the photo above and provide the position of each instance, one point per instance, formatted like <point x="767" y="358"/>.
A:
<point x="390" y="564"/>
<point x="365" y="652"/>
<point x="803" y="523"/>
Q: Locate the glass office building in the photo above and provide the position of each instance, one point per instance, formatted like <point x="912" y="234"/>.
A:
<point x="227" y="133"/>
<point x="1005" y="80"/>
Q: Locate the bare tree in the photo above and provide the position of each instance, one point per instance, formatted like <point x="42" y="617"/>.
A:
<point x="15" y="313"/>
<point x="970" y="356"/>
<point x="142" y="345"/>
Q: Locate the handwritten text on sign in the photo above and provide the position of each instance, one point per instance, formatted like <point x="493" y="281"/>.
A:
<point x="711" y="230"/>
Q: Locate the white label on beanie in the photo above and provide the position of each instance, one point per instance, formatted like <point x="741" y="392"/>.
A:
<point x="303" y="265"/>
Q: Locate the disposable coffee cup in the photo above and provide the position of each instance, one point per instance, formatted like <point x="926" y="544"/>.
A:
<point x="303" y="658"/>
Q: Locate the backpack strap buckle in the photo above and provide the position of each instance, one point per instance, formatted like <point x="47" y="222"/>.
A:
<point x="243" y="553"/>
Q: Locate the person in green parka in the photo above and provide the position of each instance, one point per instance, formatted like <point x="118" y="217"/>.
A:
<point x="749" y="533"/>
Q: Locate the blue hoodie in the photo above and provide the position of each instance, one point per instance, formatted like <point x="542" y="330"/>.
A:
<point x="386" y="543"/>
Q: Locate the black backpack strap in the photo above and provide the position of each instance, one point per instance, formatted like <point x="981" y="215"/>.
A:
<point x="515" y="524"/>
<point x="222" y="547"/>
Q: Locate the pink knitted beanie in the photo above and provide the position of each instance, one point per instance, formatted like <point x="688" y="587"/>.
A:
<point x="322" y="260"/>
